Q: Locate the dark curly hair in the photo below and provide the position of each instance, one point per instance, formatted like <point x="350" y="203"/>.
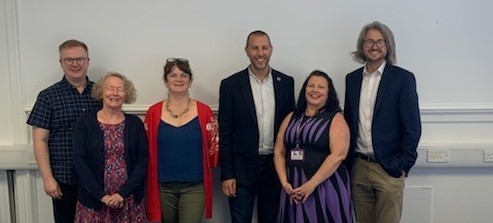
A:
<point x="332" y="103"/>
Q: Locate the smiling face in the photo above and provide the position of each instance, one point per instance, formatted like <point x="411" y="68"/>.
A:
<point x="373" y="53"/>
<point x="259" y="51"/>
<point x="113" y="92"/>
<point x="74" y="62"/>
<point x="178" y="81"/>
<point x="317" y="92"/>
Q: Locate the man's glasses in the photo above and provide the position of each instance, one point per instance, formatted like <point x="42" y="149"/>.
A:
<point x="370" y="43"/>
<point x="70" y="61"/>
<point x="172" y="60"/>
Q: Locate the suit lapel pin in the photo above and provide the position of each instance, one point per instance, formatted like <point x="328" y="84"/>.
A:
<point x="278" y="78"/>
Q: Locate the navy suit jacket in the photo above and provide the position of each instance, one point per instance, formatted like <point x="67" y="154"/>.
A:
<point x="396" y="126"/>
<point x="238" y="128"/>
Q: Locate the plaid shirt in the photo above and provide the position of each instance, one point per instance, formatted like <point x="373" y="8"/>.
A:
<point x="57" y="108"/>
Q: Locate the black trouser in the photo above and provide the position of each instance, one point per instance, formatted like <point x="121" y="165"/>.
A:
<point x="267" y="190"/>
<point x="64" y="209"/>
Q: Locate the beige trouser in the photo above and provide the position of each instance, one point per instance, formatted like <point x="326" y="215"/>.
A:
<point x="377" y="196"/>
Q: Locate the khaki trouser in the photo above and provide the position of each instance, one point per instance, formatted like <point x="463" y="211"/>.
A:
<point x="182" y="202"/>
<point x="377" y="196"/>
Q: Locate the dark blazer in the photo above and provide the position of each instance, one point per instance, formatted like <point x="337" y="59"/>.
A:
<point x="396" y="126"/>
<point x="89" y="159"/>
<point x="238" y="128"/>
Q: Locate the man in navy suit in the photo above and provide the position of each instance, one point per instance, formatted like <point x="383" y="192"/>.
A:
<point x="381" y="108"/>
<point x="252" y="105"/>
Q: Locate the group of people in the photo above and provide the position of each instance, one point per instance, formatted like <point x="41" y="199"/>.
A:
<point x="304" y="161"/>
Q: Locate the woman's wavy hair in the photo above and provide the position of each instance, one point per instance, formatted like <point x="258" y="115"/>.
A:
<point x="130" y="92"/>
<point x="332" y="103"/>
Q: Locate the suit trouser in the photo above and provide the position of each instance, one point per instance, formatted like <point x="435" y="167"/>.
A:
<point x="377" y="196"/>
<point x="266" y="188"/>
<point x="64" y="209"/>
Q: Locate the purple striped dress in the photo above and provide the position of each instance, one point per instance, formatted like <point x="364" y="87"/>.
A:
<point x="331" y="200"/>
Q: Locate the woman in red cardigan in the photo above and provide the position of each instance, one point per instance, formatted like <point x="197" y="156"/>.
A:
<point x="183" y="147"/>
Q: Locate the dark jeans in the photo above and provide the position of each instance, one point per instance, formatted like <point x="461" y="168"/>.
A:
<point x="267" y="189"/>
<point x="64" y="209"/>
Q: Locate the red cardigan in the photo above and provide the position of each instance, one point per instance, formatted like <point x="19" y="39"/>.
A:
<point x="210" y="150"/>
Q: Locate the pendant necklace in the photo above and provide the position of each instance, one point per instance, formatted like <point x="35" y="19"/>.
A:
<point x="179" y="114"/>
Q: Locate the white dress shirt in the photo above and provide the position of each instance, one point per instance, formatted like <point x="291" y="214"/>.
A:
<point x="368" y="96"/>
<point x="263" y="97"/>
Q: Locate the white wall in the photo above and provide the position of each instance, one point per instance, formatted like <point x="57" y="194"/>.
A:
<point x="445" y="43"/>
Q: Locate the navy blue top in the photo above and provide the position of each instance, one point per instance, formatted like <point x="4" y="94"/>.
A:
<point x="180" y="152"/>
<point x="57" y="108"/>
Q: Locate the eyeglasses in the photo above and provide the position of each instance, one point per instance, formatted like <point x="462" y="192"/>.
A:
<point x="172" y="60"/>
<point x="70" y="61"/>
<point x="370" y="43"/>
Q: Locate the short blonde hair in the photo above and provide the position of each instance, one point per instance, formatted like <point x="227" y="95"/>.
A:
<point x="130" y="92"/>
<point x="71" y="43"/>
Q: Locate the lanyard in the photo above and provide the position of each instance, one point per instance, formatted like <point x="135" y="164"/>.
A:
<point x="301" y="125"/>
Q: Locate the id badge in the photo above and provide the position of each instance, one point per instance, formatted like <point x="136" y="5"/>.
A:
<point x="297" y="154"/>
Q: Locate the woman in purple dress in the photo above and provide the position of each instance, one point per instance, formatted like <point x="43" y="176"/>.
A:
<point x="110" y="157"/>
<point x="312" y="143"/>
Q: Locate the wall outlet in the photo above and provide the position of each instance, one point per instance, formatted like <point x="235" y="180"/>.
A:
<point x="488" y="156"/>
<point x="438" y="156"/>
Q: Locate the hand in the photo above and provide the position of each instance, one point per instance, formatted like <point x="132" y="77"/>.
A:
<point x="52" y="188"/>
<point x="304" y="191"/>
<point x="113" y="201"/>
<point x="106" y="199"/>
<point x="229" y="187"/>
<point x="289" y="191"/>
<point x="116" y="201"/>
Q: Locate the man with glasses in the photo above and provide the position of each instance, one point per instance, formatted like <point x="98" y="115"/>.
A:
<point x="52" y="118"/>
<point x="252" y="105"/>
<point x="381" y="108"/>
